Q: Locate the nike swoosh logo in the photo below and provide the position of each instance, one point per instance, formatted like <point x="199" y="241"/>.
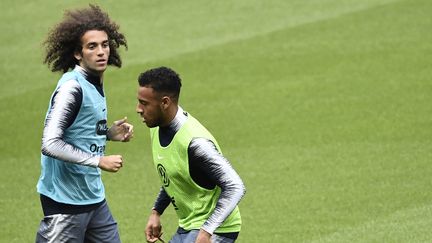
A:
<point x="159" y="157"/>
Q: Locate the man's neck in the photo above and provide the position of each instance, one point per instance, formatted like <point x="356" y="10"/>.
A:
<point x="166" y="133"/>
<point x="96" y="79"/>
<point x="176" y="120"/>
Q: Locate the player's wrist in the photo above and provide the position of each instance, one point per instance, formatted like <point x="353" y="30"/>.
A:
<point x="208" y="229"/>
<point x="203" y="231"/>
<point x="94" y="161"/>
<point x="109" y="135"/>
<point x="155" y="212"/>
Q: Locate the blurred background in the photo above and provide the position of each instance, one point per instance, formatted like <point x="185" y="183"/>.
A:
<point x="322" y="106"/>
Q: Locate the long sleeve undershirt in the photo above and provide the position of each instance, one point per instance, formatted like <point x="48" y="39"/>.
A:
<point x="65" y="105"/>
<point x="208" y="168"/>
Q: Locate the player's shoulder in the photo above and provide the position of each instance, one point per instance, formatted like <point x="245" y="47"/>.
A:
<point x="202" y="145"/>
<point x="69" y="86"/>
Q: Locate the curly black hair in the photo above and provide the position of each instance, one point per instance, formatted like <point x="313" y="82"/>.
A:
<point x="65" y="38"/>
<point x="163" y="80"/>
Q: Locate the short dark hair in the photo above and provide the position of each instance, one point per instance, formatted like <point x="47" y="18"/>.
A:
<point x="65" y="38"/>
<point x="163" y="80"/>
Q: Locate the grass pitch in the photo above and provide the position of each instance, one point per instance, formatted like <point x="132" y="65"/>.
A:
<point x="323" y="107"/>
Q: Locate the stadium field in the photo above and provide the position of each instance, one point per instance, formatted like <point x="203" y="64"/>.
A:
<point x="322" y="106"/>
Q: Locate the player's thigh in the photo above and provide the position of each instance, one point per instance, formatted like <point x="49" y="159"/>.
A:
<point x="61" y="228"/>
<point x="184" y="237"/>
<point x="193" y="234"/>
<point x="102" y="227"/>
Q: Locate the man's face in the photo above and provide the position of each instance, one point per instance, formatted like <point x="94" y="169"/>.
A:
<point x="95" y="51"/>
<point x="149" y="107"/>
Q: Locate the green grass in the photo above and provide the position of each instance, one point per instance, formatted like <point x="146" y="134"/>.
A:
<point x="323" y="107"/>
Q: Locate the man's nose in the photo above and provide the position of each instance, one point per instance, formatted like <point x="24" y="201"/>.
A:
<point x="100" y="51"/>
<point x="138" y="109"/>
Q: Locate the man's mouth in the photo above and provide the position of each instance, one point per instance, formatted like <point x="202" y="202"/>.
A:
<point x="143" y="119"/>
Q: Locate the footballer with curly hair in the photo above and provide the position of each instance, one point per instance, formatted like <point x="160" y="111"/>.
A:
<point x="75" y="131"/>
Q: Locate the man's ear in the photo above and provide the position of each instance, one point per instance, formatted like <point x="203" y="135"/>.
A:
<point x="78" y="55"/>
<point x="166" y="102"/>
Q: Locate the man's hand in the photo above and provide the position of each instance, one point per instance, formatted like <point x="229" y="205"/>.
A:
<point x="111" y="163"/>
<point x="120" y="131"/>
<point x="203" y="237"/>
<point x="153" y="229"/>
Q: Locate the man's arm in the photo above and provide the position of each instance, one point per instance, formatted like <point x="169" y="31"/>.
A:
<point x="215" y="169"/>
<point x="162" y="201"/>
<point x="65" y="105"/>
<point x="153" y="229"/>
